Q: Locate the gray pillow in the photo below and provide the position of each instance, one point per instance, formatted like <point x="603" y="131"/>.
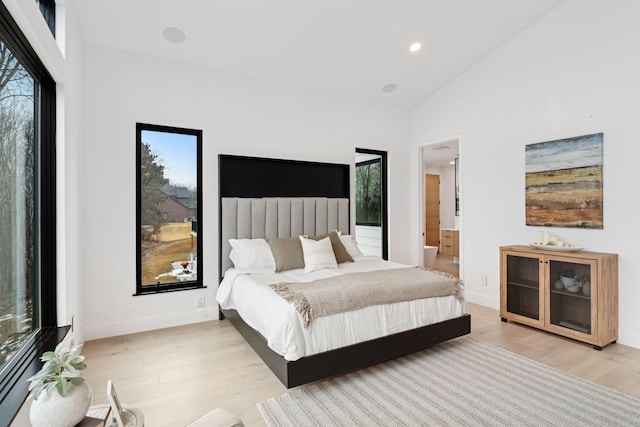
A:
<point x="287" y="253"/>
<point x="341" y="253"/>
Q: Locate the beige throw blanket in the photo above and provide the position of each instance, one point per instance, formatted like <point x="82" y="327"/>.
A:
<point x="358" y="290"/>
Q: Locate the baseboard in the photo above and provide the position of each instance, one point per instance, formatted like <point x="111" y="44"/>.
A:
<point x="630" y="338"/>
<point x="131" y="326"/>
<point x="483" y="300"/>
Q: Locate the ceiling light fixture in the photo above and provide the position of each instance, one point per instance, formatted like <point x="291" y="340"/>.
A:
<point x="415" y="47"/>
<point x="389" y="88"/>
<point x="440" y="147"/>
<point x="174" y="35"/>
<point x="453" y="162"/>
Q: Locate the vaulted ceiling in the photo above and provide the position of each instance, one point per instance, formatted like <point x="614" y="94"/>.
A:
<point x="350" y="48"/>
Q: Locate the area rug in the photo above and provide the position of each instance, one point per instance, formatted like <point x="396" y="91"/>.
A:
<point x="462" y="382"/>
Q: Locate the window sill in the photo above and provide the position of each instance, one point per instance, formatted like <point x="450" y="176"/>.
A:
<point x="152" y="290"/>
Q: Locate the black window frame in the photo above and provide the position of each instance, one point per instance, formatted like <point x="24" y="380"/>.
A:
<point x="383" y="195"/>
<point x="175" y="286"/>
<point x="48" y="10"/>
<point x="26" y="362"/>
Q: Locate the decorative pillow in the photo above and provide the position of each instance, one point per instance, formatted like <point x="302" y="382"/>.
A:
<point x="317" y="254"/>
<point x="287" y="253"/>
<point x="251" y="256"/>
<point x="341" y="253"/>
<point x="350" y="245"/>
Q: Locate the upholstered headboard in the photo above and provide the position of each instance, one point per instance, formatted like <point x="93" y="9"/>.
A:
<point x="268" y="217"/>
<point x="264" y="198"/>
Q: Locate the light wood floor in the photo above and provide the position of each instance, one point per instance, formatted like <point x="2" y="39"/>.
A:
<point x="174" y="375"/>
<point x="448" y="264"/>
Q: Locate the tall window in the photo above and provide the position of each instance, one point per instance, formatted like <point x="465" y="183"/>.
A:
<point x="27" y="214"/>
<point x="169" y="208"/>
<point x="371" y="202"/>
<point x="369" y="192"/>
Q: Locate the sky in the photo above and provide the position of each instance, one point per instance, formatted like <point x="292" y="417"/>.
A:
<point x="177" y="152"/>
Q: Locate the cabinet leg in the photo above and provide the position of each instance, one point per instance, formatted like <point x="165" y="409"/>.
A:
<point x="503" y="319"/>
<point x="597" y="347"/>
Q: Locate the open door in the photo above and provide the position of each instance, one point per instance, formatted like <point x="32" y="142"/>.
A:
<point x="432" y="209"/>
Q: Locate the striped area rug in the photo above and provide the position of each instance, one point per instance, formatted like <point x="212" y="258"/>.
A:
<point x="462" y="382"/>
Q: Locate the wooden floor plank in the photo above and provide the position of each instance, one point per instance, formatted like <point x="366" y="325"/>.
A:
<point x="176" y="374"/>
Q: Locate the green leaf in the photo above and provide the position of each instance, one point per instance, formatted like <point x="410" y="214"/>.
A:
<point x="61" y="385"/>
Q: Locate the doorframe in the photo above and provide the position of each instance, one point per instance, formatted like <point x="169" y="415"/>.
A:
<point x="421" y="196"/>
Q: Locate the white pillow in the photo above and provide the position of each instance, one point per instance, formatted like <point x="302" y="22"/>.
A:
<point x="350" y="244"/>
<point x="252" y="256"/>
<point x="318" y="254"/>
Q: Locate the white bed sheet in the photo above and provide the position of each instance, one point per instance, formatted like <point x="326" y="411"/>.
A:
<point x="265" y="311"/>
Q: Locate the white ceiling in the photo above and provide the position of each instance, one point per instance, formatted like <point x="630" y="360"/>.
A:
<point x="346" y="47"/>
<point x="441" y="154"/>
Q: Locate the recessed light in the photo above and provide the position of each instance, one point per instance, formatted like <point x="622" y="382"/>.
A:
<point x="452" y="162"/>
<point x="174" y="35"/>
<point x="440" y="147"/>
<point x="389" y="88"/>
<point x="415" y="47"/>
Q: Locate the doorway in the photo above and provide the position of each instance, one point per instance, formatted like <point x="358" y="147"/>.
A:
<point x="432" y="209"/>
<point x="371" y="202"/>
<point x="439" y="204"/>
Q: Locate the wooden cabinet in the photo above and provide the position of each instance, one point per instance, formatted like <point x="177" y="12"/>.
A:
<point x="450" y="242"/>
<point x="573" y="294"/>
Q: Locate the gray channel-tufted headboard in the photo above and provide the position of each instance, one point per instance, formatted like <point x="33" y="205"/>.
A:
<point x="268" y="217"/>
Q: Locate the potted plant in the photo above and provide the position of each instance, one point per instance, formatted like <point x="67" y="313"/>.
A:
<point x="61" y="397"/>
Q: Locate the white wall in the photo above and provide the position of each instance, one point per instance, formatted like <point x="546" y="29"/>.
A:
<point x="238" y="116"/>
<point x="573" y="72"/>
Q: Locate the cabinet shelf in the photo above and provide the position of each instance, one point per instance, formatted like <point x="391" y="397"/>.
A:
<point x="524" y="283"/>
<point x="527" y="294"/>
<point x="570" y="294"/>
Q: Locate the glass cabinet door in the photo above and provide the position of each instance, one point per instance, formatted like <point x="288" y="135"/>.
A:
<point x="523" y="286"/>
<point x="570" y="293"/>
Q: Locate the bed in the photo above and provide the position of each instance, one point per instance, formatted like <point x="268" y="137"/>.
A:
<point x="317" y="204"/>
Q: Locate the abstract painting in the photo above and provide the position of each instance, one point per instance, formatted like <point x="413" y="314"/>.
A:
<point x="564" y="182"/>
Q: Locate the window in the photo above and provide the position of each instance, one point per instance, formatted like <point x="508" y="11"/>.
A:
<point x="371" y="202"/>
<point x="48" y="10"/>
<point x="27" y="212"/>
<point x="368" y="192"/>
<point x="169" y="210"/>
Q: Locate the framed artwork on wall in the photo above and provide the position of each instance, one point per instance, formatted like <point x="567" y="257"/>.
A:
<point x="563" y="182"/>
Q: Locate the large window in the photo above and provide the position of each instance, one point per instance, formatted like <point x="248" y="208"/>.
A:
<point x="369" y="191"/>
<point x="371" y="202"/>
<point x="169" y="209"/>
<point x="27" y="215"/>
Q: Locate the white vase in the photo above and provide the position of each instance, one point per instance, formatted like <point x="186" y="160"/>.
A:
<point x="53" y="410"/>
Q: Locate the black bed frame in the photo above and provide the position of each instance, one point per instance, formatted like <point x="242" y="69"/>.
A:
<point x="245" y="177"/>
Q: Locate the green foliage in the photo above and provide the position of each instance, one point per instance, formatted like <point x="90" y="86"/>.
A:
<point x="368" y="193"/>
<point x="152" y="180"/>
<point x="60" y="368"/>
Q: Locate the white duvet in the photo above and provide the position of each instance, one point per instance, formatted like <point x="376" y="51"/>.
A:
<point x="265" y="311"/>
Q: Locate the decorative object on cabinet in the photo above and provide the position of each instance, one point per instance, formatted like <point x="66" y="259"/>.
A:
<point x="548" y="241"/>
<point x="564" y="182"/>
<point x="570" y="294"/>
